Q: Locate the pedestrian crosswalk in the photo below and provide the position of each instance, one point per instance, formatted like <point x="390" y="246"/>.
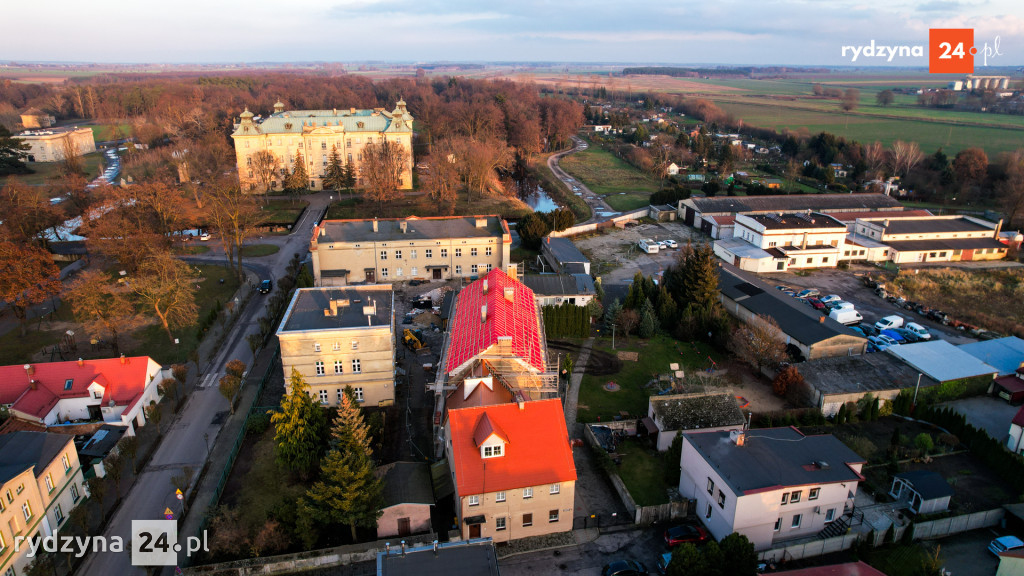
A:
<point x="210" y="379"/>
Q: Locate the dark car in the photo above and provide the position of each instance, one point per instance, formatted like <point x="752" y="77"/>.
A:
<point x="907" y="335"/>
<point x="685" y="533"/>
<point x="266" y="286"/>
<point x="624" y="568"/>
<point x="815" y="303"/>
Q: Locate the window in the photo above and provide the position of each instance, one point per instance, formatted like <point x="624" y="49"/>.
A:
<point x="323" y="396"/>
<point x="3" y="546"/>
<point x="810" y="260"/>
<point x="383" y="272"/>
<point x="552" y="515"/>
<point x="97" y="394"/>
<point x="824" y="260"/>
<point x="398" y="254"/>
<point x="414" y="272"/>
<point x="10" y="497"/>
<point x="20" y="489"/>
<point x="489" y="267"/>
<point x="444" y="252"/>
<point x="796" y="520"/>
<point x="68" y="383"/>
<point x="316" y="347"/>
<point x="49" y="482"/>
<point x="458" y="269"/>
<point x="785" y="498"/>
<point x="527" y="493"/>
<point x="499" y="496"/>
<point x="14" y="525"/>
<point x="359" y="394"/>
<point x="26" y="510"/>
<point x="472" y="269"/>
<point x="487" y="251"/>
<point x="473" y="500"/>
<point x="339" y="392"/>
<point x="778" y="524"/>
<point x="430" y="253"/>
<point x="707" y="513"/>
<point x="555" y="489"/>
<point x="499" y="523"/>
<point x="493" y="451"/>
<point x="458" y="252"/>
<point x="337" y="345"/>
<point x="58" y="514"/>
<point x="472" y="251"/>
<point x="721" y="499"/>
<point x="383" y="254"/>
<point x="830" y="515"/>
<point x="348" y="144"/>
<point x="323" y="145"/>
<point x="355" y="344"/>
<point x="711" y="486"/>
<point x="527" y="520"/>
<point x="813" y="494"/>
<point x="356" y="366"/>
<point x="320" y="368"/>
<point x="337" y="367"/>
<point x="795" y="497"/>
<point x="398" y="272"/>
<point x="350" y="154"/>
<point x="412" y="254"/>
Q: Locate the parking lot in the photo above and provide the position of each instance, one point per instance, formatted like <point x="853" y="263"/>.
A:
<point x="643" y="545"/>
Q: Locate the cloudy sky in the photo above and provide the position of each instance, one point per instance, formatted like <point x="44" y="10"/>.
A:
<point x="668" y="31"/>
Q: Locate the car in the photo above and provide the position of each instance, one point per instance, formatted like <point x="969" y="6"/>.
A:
<point x="815" y="303"/>
<point x="870" y="348"/>
<point x="575" y="188"/>
<point x="858" y="330"/>
<point x="624" y="568"/>
<point x="782" y="287"/>
<point x="846" y="317"/>
<point x="830" y="298"/>
<point x="649" y="246"/>
<point x="789" y="293"/>
<point x="1004" y="543"/>
<point x="677" y="535"/>
<point x="882" y="342"/>
<point x="808" y="293"/>
<point x="889" y="322"/>
<point x="669" y="244"/>
<point x="892" y="333"/>
<point x="920" y="331"/>
<point x="423" y="303"/>
<point x="907" y="335"/>
<point x="266" y="286"/>
<point x="663" y="562"/>
<point x="840" y="305"/>
<point x="204" y="236"/>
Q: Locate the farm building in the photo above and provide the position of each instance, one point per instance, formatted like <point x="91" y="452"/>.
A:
<point x="690" y="412"/>
<point x="697" y="211"/>
<point x="1006" y="354"/>
<point x="814" y="335"/>
<point x="1015" y="441"/>
<point x="835" y="381"/>
<point x="924" y="491"/>
<point x="935" y="238"/>
<point x="1010" y="388"/>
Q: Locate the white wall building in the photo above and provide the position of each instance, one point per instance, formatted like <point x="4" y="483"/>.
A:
<point x="779" y="242"/>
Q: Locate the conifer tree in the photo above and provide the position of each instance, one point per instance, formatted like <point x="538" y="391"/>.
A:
<point x="299" y="425"/>
<point x="335" y="177"/>
<point x="298" y="180"/>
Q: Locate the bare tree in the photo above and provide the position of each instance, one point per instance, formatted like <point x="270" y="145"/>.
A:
<point x="443" y="181"/>
<point x="71" y="160"/>
<point x="904" y="156"/>
<point x="236" y="217"/>
<point x="478" y="161"/>
<point x="265" y="167"/>
<point x="383" y="166"/>
<point x="167" y="287"/>
<point x="759" y="342"/>
<point x="1011" y="190"/>
<point x="874" y="158"/>
<point x="102" y="306"/>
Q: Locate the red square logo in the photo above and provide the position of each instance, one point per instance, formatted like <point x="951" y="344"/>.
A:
<point x="951" y="50"/>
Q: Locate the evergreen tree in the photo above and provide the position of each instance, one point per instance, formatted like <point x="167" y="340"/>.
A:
<point x="335" y="178"/>
<point x="738" y="556"/>
<point x="635" y="296"/>
<point x="841" y="416"/>
<point x="350" y="176"/>
<point x="668" y="312"/>
<point x="648" y="321"/>
<point x="298" y="180"/>
<point x="13" y="152"/>
<point x="610" y="313"/>
<point x="299" y="426"/>
<point x="348" y="491"/>
<point x="599" y="290"/>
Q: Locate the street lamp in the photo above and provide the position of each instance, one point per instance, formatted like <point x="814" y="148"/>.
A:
<point x="206" y="438"/>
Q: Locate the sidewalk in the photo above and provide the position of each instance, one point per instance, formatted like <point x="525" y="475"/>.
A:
<point x="573" y="393"/>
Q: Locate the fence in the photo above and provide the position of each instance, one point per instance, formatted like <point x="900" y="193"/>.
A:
<point x="609" y="223"/>
<point x="956" y="524"/>
<point x="809" y="549"/>
<point x="646" y="515"/>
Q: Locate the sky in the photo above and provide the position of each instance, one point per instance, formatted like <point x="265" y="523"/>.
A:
<point x="765" y="32"/>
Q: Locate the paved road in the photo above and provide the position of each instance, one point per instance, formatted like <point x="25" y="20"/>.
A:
<point x="184" y="444"/>
<point x="597" y="203"/>
<point x="644" y="545"/>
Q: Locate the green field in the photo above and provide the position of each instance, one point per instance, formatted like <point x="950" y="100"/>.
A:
<point x="104" y="132"/>
<point x="622" y="186"/>
<point x="45" y="172"/>
<point x="643" y="473"/>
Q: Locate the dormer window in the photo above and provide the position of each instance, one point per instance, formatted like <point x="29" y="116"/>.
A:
<point x="68" y="383"/>
<point x="492" y="451"/>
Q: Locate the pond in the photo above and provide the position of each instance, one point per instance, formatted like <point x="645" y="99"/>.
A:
<point x="531" y="193"/>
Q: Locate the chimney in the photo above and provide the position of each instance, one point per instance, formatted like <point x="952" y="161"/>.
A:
<point x="483" y="313"/>
<point x="33" y="385"/>
<point x="374" y="224"/>
<point x="821" y="320"/>
<point x="513" y="270"/>
<point x="481" y="222"/>
<point x="520" y="400"/>
<point x="81" y="362"/>
<point x="30" y="369"/>
<point x="510" y="293"/>
<point x="404" y="226"/>
<point x="323" y="231"/>
<point x="335" y="111"/>
<point x="387" y="548"/>
<point x="353" y="111"/>
<point x="334" y="307"/>
<point x="123" y="359"/>
<point x="739" y="437"/>
<point x="486" y="286"/>
<point x="547" y="239"/>
<point x="999" y="226"/>
<point x="885" y="223"/>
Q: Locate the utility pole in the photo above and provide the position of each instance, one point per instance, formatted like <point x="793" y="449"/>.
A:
<point x="916" y="388"/>
<point x="613" y="336"/>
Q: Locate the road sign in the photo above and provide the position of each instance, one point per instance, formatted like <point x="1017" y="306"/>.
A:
<point x="179" y="495"/>
<point x="168" y="514"/>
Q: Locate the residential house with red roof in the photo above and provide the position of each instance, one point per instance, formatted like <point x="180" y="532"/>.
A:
<point x="512" y="468"/>
<point x="495" y="339"/>
<point x="111" y="390"/>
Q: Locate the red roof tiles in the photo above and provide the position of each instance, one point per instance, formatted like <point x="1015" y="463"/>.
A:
<point x="848" y="569"/>
<point x="123" y="383"/>
<point x="537" y="450"/>
<point x="512" y="319"/>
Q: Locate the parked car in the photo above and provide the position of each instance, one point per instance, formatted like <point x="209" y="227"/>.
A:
<point x="889" y="322"/>
<point x="1004" y="543"/>
<point x="669" y="244"/>
<point x="920" y="331"/>
<point x="847" y="317"/>
<point x="783" y="287"/>
<point x="266" y="286"/>
<point x="663" y="561"/>
<point x="858" y="330"/>
<point x="892" y="333"/>
<point x="882" y="342"/>
<point x="840" y="305"/>
<point x="624" y="568"/>
<point x="677" y="535"/>
<point x="204" y="236"/>
<point x="830" y="298"/>
<point x="907" y="335"/>
<point x="939" y="316"/>
<point x="808" y="293"/>
<point x="649" y="246"/>
<point x="789" y="292"/>
<point x="815" y="303"/>
<point x="417" y="282"/>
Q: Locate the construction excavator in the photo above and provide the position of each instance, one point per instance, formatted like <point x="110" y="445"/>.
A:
<point x="413" y="339"/>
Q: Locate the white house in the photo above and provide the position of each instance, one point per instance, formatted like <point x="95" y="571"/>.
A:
<point x="771" y="484"/>
<point x="672" y="169"/>
<point x="779" y="242"/>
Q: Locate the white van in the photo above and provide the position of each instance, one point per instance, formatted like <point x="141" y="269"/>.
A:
<point x="649" y="246"/>
<point x="889" y="322"/>
<point x="847" y="317"/>
<point x="921" y="331"/>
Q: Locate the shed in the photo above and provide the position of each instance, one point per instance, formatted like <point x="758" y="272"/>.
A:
<point x="1010" y="388"/>
<point x="563" y="256"/>
<point x="942" y="361"/>
<point x="408" y="495"/>
<point x="835" y="381"/>
<point x="1006" y="354"/>
<point x="689" y="412"/>
<point x="925" y="491"/>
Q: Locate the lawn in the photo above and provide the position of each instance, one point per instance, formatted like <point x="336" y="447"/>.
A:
<point x="105" y="132"/>
<point x="607" y="175"/>
<point x="897" y="558"/>
<point x="282" y="211"/>
<point x="423" y="205"/>
<point x="46" y="172"/>
<point x="643" y="472"/>
<point x="258" y="250"/>
<point x="188" y="250"/>
<point x="256" y="485"/>
<point x="18" y="349"/>
<point x="655" y="355"/>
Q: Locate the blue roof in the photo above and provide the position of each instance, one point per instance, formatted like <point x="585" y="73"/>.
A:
<point x="1006" y="354"/>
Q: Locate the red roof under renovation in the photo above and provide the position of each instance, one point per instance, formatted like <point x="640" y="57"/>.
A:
<point x="485" y="314"/>
<point x="536" y="452"/>
<point x="848" y="569"/>
<point x="35" y="391"/>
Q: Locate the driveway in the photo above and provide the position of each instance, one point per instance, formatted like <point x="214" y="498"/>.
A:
<point x="988" y="413"/>
<point x="966" y="554"/>
<point x="644" y="545"/>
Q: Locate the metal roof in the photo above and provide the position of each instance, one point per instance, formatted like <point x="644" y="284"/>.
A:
<point x="560" y="284"/>
<point x="1005" y="354"/>
<point x="933" y="225"/>
<point x="406" y="483"/>
<point x="476" y="557"/>
<point x="776" y="458"/>
<point x="941" y="361"/>
<point x="21" y="450"/>
<point x="928" y="484"/>
<point x="563" y="250"/>
<point x="791" y="202"/>
<point x="814" y="220"/>
<point x="860" y="374"/>
<point x="306" y="310"/>
<point x="416" y="228"/>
